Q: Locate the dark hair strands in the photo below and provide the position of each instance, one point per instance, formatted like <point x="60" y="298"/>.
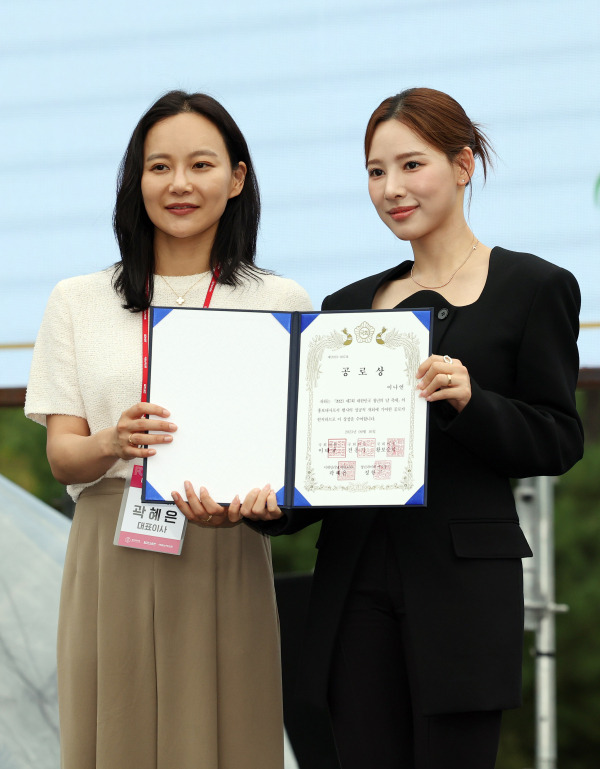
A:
<point x="234" y="248"/>
<point x="438" y="119"/>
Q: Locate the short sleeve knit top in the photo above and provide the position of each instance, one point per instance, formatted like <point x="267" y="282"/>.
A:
<point x="87" y="360"/>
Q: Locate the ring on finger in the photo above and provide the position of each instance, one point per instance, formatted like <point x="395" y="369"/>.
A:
<point x="448" y="359"/>
<point x="449" y="380"/>
<point x="131" y="443"/>
<point x="209" y="519"/>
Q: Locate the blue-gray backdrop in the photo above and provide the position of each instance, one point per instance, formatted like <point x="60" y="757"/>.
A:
<point x="301" y="79"/>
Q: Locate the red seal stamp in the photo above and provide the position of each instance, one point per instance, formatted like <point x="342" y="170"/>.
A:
<point x="336" y="447"/>
<point x="365" y="447"/>
<point x="383" y="470"/>
<point x="395" y="447"/>
<point x="346" y="471"/>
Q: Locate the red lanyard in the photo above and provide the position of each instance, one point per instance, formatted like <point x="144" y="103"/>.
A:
<point x="146" y="331"/>
<point x="211" y="289"/>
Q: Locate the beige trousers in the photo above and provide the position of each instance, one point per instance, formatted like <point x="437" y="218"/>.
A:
<point x="167" y="662"/>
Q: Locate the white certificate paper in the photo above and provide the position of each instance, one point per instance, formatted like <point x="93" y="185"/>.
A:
<point x="223" y="375"/>
<point x="361" y="439"/>
<point x="322" y="406"/>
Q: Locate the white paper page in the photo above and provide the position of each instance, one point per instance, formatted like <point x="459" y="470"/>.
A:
<point x="362" y="428"/>
<point x="223" y="376"/>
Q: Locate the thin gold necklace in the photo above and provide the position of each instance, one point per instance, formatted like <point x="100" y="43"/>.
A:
<point x="471" y="249"/>
<point x="181" y="297"/>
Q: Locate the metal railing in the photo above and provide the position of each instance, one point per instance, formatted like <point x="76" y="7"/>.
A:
<point x="535" y="505"/>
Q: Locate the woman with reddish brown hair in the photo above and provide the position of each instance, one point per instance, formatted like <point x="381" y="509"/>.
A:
<point x="415" y="626"/>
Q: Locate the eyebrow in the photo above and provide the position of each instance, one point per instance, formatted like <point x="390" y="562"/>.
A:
<point x="402" y="156"/>
<point x="196" y="153"/>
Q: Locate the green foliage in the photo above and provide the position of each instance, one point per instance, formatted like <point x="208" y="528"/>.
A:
<point x="577" y="561"/>
<point x="577" y="535"/>
<point x="295" y="553"/>
<point x="23" y="457"/>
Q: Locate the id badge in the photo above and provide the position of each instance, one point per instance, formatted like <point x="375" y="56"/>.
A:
<point x="148" y="526"/>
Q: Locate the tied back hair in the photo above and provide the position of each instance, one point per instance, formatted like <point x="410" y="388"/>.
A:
<point x="439" y="120"/>
<point x="234" y="248"/>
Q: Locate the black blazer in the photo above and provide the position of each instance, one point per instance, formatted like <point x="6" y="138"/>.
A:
<point x="460" y="556"/>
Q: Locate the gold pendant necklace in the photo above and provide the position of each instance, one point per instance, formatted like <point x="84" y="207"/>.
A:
<point x="471" y="249"/>
<point x="181" y="297"/>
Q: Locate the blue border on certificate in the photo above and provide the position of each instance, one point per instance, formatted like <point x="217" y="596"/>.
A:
<point x="151" y="494"/>
<point x="158" y="313"/>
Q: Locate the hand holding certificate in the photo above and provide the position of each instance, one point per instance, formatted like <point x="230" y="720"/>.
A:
<point x="321" y="406"/>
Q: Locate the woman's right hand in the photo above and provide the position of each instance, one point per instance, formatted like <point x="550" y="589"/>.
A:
<point x="202" y="509"/>
<point x="131" y="433"/>
<point x="76" y="456"/>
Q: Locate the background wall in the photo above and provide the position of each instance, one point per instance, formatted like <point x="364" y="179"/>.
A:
<point x="301" y="80"/>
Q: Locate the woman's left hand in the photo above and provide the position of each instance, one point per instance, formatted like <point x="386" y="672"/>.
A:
<point x="443" y="378"/>
<point x="259" y="505"/>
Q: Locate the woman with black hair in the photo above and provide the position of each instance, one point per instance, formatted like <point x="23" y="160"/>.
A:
<point x="161" y="660"/>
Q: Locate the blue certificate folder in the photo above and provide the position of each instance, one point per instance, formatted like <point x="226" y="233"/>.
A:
<point x="322" y="406"/>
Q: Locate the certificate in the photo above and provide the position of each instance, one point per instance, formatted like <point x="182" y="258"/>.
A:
<point x="323" y="406"/>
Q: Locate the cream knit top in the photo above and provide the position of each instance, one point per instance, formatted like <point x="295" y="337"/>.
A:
<point x="87" y="360"/>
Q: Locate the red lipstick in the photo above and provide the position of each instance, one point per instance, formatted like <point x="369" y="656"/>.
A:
<point x="181" y="209"/>
<point x="399" y="213"/>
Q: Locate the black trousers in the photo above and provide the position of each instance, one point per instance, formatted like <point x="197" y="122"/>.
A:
<point x="373" y="696"/>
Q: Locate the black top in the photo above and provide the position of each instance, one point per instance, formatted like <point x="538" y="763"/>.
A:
<point x="460" y="556"/>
